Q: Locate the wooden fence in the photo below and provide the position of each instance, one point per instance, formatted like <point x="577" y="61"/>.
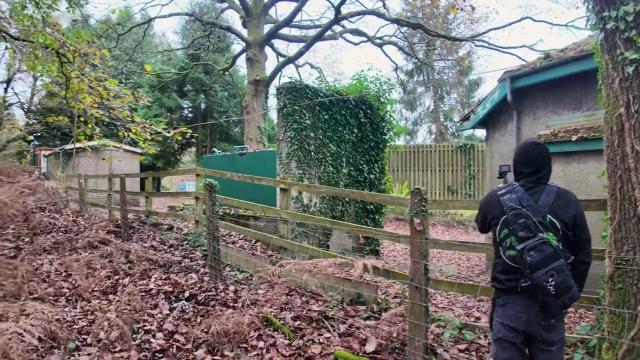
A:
<point x="417" y="242"/>
<point x="447" y="171"/>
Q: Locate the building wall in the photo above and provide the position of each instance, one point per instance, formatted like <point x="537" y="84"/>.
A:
<point x="99" y="162"/>
<point x="576" y="171"/>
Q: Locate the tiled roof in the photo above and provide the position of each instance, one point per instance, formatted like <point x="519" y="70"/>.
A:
<point x="571" y="133"/>
<point x="569" y="52"/>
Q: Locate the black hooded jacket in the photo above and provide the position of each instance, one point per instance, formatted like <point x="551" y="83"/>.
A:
<point x="532" y="170"/>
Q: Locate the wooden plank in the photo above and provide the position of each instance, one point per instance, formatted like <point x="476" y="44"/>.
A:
<point x="587" y="204"/>
<point x="351" y="289"/>
<point x="66" y="190"/>
<point x="162" y="214"/>
<point x="148" y="189"/>
<point x="277" y="242"/>
<point x="363" y="292"/>
<point x="486" y="248"/>
<point x="379" y="198"/>
<point x="418" y="286"/>
<point x="284" y="203"/>
<point x="243" y="259"/>
<point x="166" y="194"/>
<point x="98" y="205"/>
<point x="124" y="216"/>
<point x="161" y="194"/>
<point x="214" y="259"/>
<point x="472" y="289"/>
<point x="164" y="173"/>
<point x="110" y="197"/>
<point x="81" y="194"/>
<point x="197" y="198"/>
<point x="296" y="216"/>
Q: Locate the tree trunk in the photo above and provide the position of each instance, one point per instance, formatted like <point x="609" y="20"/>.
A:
<point x="256" y="91"/>
<point x="253" y="111"/>
<point x="621" y="87"/>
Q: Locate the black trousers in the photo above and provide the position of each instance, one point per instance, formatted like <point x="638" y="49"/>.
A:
<point x="521" y="331"/>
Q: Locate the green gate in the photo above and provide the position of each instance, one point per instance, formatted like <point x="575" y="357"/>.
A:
<point x="258" y="163"/>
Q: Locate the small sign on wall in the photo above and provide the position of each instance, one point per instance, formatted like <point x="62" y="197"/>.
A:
<point x="188" y="185"/>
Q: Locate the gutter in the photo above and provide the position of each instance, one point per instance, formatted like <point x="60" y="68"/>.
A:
<point x="548" y="65"/>
<point x="551" y="71"/>
<point x="516" y="120"/>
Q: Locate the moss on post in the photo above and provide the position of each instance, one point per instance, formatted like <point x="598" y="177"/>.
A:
<point x="214" y="260"/>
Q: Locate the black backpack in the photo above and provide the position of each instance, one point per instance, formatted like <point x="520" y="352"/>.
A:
<point x="529" y="239"/>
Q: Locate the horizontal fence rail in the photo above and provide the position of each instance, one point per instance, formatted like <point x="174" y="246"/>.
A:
<point x="417" y="279"/>
<point x="379" y="198"/>
<point x="290" y="215"/>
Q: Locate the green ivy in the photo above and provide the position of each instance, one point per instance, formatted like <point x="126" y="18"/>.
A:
<point x="469" y="179"/>
<point x="624" y="19"/>
<point x="336" y="135"/>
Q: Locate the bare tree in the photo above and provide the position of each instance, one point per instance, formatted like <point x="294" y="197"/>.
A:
<point x="269" y="26"/>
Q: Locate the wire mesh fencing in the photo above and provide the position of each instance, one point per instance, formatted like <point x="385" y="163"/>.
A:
<point x="327" y="256"/>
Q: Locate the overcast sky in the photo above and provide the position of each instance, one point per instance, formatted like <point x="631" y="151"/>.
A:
<point x="341" y="60"/>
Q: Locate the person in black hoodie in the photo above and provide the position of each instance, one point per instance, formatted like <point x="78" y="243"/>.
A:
<point x="523" y="327"/>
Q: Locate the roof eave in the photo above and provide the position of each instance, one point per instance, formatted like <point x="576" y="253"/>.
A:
<point x="576" y="65"/>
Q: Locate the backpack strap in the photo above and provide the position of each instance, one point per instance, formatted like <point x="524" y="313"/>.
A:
<point x="508" y="198"/>
<point x="544" y="204"/>
<point x="547" y="198"/>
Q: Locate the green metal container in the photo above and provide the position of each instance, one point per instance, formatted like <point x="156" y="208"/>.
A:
<point x="258" y="163"/>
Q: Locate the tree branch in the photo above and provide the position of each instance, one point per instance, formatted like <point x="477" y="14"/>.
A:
<point x="284" y="22"/>
<point x="211" y="22"/>
<point x="528" y="18"/>
<point x="232" y="5"/>
<point x="271" y="3"/>
<point x="245" y="6"/>
<point x="307" y="46"/>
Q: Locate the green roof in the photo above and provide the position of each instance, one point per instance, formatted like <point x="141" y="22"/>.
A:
<point x="530" y="76"/>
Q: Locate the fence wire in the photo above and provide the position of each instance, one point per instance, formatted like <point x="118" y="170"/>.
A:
<point x="318" y="233"/>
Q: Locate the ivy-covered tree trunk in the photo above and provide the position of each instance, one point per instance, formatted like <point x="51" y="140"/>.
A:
<point x="619" y="22"/>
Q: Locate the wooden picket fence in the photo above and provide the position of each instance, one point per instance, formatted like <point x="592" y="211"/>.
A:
<point x="419" y="244"/>
<point x="446" y="171"/>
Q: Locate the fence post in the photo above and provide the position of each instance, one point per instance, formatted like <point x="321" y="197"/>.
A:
<point x="284" y="203"/>
<point x="197" y="207"/>
<point x="65" y="184"/>
<point x="110" y="196"/>
<point x="418" y="308"/>
<point x="84" y="190"/>
<point x="124" y="216"/>
<point x="81" y="199"/>
<point x="214" y="261"/>
<point x="148" y="188"/>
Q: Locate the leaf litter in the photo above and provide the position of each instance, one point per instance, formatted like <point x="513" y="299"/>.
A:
<point x="71" y="287"/>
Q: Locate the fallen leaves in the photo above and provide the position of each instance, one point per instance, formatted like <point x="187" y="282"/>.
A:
<point x="80" y="291"/>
